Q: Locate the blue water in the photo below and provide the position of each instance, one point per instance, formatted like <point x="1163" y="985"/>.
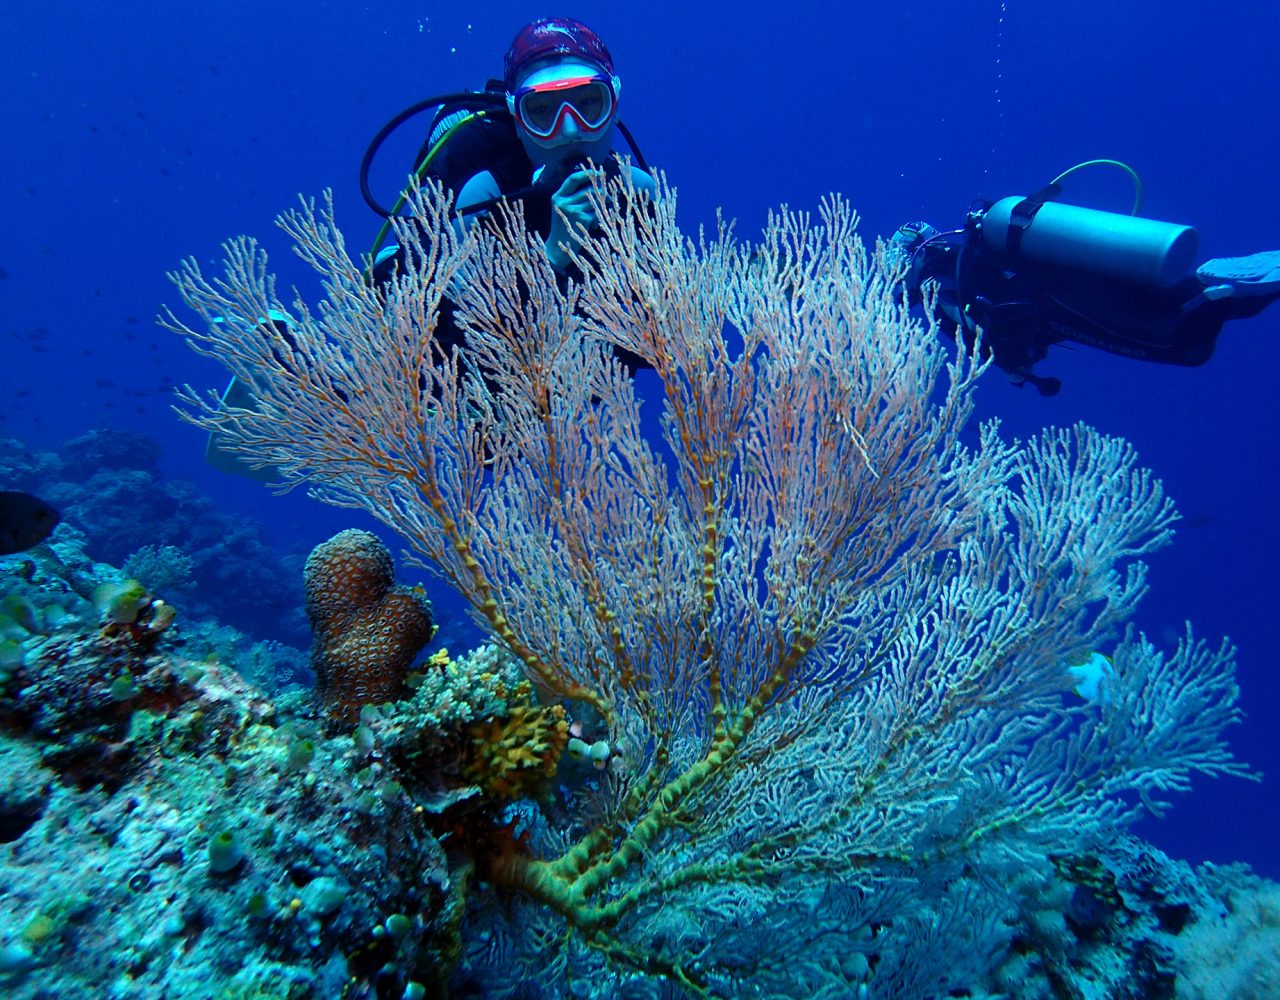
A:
<point x="140" y="133"/>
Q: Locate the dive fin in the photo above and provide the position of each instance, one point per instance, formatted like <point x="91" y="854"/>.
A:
<point x="236" y="396"/>
<point x="1242" y="277"/>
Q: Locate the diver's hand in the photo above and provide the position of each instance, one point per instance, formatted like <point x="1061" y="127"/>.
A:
<point x="571" y="214"/>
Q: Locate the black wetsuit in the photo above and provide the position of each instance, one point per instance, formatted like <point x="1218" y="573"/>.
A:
<point x="485" y="144"/>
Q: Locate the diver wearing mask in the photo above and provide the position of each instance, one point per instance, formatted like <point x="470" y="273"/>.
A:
<point x="536" y="136"/>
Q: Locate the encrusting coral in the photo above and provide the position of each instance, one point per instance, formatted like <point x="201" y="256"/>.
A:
<point x="472" y="728"/>
<point x="367" y="630"/>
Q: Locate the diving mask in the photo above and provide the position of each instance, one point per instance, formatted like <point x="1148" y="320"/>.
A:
<point x="543" y="109"/>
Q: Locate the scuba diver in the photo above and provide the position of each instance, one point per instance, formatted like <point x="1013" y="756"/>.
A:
<point x="538" y="136"/>
<point x="1030" y="272"/>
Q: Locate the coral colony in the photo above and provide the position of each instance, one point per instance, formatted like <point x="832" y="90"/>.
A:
<point x="799" y="696"/>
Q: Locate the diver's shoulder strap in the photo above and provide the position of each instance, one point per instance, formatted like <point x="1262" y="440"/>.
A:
<point x="1024" y="213"/>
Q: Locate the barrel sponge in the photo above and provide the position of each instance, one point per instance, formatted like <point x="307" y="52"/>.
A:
<point x="367" y="630"/>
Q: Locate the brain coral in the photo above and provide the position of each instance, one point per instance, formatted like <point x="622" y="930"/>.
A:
<point x="367" y="630"/>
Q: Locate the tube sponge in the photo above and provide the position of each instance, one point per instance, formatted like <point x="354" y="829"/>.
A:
<point x="225" y="852"/>
<point x="367" y="630"/>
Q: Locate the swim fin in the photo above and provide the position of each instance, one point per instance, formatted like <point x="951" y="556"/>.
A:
<point x="237" y="396"/>
<point x="1241" y="277"/>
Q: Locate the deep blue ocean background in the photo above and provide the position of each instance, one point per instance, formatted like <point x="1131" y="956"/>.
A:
<point x="138" y="133"/>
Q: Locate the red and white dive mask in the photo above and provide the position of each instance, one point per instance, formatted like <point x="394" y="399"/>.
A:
<point x="544" y="109"/>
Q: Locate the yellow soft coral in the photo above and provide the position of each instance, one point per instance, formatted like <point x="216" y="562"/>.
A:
<point x="515" y="755"/>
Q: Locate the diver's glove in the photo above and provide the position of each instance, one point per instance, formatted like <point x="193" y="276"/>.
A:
<point x="571" y="212"/>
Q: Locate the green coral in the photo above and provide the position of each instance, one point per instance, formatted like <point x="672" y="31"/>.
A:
<point x="299" y="753"/>
<point x="120" y="603"/>
<point x="123" y="687"/>
<point x="19" y="613"/>
<point x="11" y="653"/>
<point x="452" y="693"/>
<point x="225" y="852"/>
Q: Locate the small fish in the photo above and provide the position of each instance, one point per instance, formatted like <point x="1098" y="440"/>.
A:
<point x="1094" y="678"/>
<point x="24" y="521"/>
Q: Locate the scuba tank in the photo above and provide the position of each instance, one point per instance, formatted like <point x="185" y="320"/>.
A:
<point x="1121" y="247"/>
<point x="1030" y="272"/>
<point x="1143" y="251"/>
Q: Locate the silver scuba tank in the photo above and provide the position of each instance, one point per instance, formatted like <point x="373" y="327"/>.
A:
<point x="1143" y="251"/>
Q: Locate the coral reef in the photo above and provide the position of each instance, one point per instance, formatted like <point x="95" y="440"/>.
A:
<point x="165" y="825"/>
<point x="1232" y="947"/>
<point x="183" y="835"/>
<point x="107" y="485"/>
<point x="1126" y="921"/>
<point x="367" y="630"/>
<point x="821" y="629"/>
